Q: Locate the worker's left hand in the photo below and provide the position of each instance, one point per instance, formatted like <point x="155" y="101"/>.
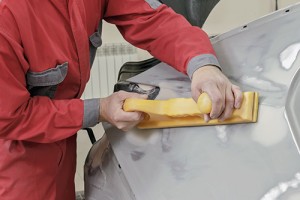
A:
<point x="111" y="110"/>
<point x="224" y="95"/>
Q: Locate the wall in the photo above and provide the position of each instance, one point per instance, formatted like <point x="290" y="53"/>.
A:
<point x="284" y="3"/>
<point x="227" y="15"/>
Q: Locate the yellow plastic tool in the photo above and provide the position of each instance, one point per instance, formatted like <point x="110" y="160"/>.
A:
<point x="180" y="112"/>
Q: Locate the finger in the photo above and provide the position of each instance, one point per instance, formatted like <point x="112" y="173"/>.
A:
<point x="229" y="105"/>
<point x="128" y="120"/>
<point x="126" y="126"/>
<point x="218" y="102"/>
<point x="206" y="118"/>
<point x="131" y="116"/>
<point x="238" y="96"/>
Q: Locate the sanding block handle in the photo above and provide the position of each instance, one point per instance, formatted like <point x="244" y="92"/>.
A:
<point x="176" y="107"/>
<point x="182" y="107"/>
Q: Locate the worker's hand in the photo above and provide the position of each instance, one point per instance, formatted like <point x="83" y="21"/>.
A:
<point x="224" y="95"/>
<point x="111" y="110"/>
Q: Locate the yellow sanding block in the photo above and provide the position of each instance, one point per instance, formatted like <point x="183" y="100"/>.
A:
<point x="178" y="112"/>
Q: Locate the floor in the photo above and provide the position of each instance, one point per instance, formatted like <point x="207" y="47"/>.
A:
<point x="83" y="146"/>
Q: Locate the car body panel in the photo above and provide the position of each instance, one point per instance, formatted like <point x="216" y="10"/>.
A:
<point x="229" y="162"/>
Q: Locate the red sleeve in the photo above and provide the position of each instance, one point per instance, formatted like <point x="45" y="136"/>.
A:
<point x="166" y="35"/>
<point x="36" y="119"/>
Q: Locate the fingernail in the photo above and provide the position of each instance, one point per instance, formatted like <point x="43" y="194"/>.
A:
<point x="206" y="118"/>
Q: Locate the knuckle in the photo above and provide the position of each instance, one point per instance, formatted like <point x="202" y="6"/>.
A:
<point x="121" y="94"/>
<point x="115" y="118"/>
<point x="217" y="100"/>
<point x="230" y="101"/>
<point x="236" y="87"/>
<point x="135" y="117"/>
<point x="121" y="126"/>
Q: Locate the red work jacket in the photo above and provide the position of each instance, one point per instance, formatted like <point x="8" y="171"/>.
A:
<point x="45" y="43"/>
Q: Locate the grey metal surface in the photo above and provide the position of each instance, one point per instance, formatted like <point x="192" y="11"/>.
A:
<point x="256" y="161"/>
<point x="103" y="176"/>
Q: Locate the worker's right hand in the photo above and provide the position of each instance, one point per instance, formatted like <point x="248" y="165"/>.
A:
<point x="224" y="95"/>
<point x="111" y="110"/>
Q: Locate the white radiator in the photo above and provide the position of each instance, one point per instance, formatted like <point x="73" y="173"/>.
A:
<point x="104" y="73"/>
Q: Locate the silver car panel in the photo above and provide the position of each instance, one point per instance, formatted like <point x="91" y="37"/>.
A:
<point x="257" y="161"/>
